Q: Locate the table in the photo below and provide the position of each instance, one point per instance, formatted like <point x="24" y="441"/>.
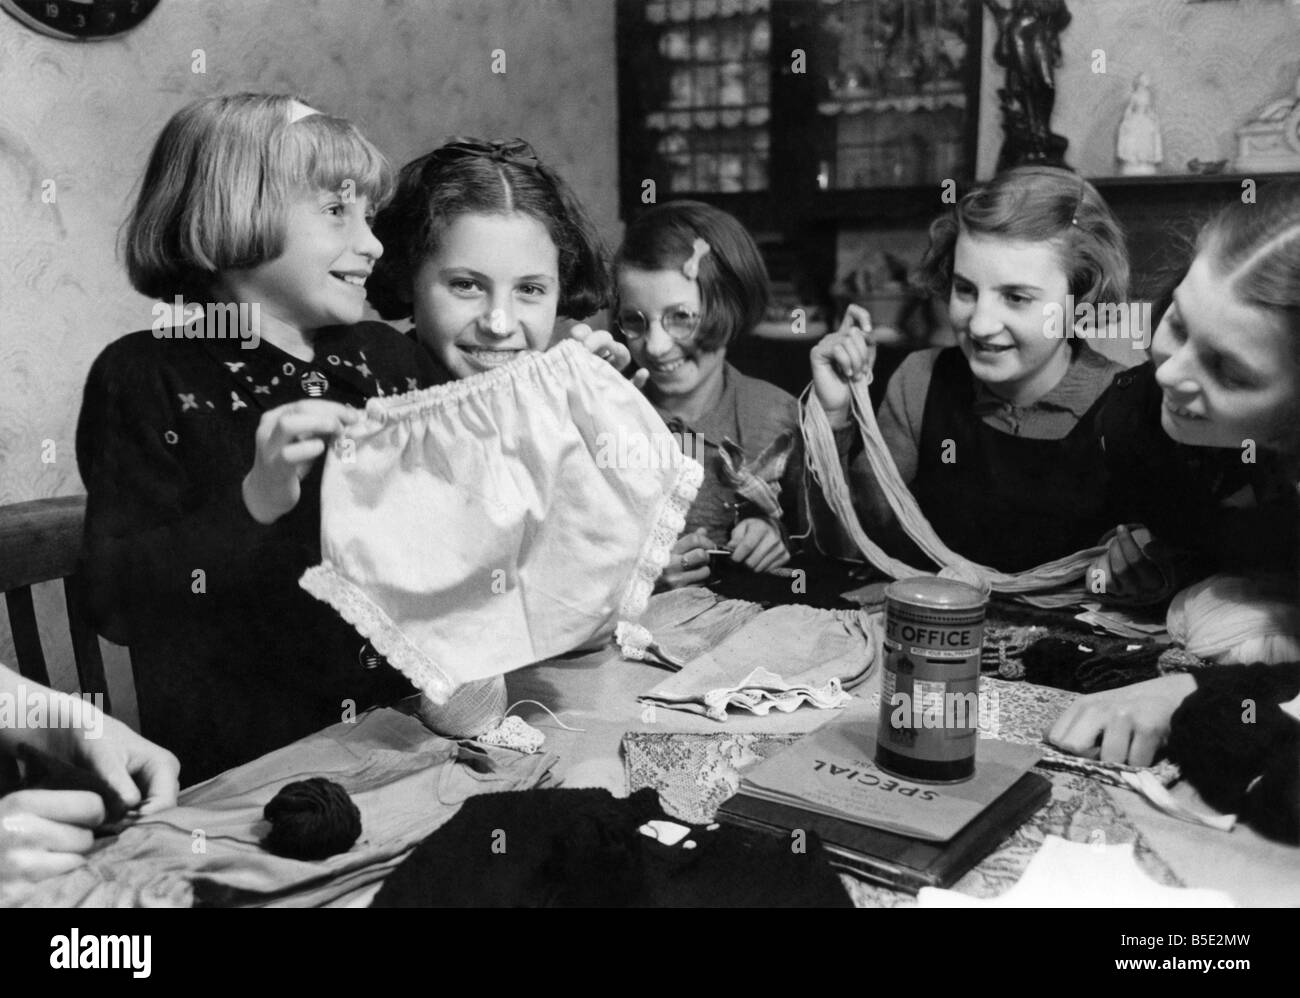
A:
<point x="598" y="693"/>
<point x="407" y="781"/>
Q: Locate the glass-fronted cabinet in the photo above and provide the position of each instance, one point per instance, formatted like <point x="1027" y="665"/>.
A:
<point x="894" y="87"/>
<point x="775" y="109"/>
<point x="708" y="109"/>
<point x="803" y="118"/>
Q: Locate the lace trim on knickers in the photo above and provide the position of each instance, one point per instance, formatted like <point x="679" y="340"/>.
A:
<point x="409" y="405"/>
<point x="669" y="521"/>
<point x="373" y="624"/>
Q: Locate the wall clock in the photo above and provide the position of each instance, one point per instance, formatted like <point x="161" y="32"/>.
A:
<point x="80" y="20"/>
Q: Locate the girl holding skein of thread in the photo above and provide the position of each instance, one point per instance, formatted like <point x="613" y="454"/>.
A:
<point x="996" y="436"/>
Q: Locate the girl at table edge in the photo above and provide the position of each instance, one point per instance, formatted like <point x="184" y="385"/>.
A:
<point x="44" y="833"/>
<point x="1226" y="358"/>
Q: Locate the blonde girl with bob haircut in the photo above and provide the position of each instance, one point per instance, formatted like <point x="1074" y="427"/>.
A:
<point x="199" y="448"/>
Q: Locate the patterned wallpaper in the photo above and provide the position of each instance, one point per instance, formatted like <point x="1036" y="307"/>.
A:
<point x="409" y="72"/>
<point x="1212" y="65"/>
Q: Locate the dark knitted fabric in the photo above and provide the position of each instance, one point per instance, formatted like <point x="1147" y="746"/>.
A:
<point x="1241" y="751"/>
<point x="582" y="848"/>
<point x="1087" y="668"/>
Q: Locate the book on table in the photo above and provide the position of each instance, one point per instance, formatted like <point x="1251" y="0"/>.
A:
<point x="884" y="828"/>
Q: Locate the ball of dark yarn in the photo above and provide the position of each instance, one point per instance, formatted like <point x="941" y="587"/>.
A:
<point x="311" y="819"/>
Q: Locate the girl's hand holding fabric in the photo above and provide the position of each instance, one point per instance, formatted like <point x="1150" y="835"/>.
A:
<point x="602" y="343"/>
<point x="1127" y="725"/>
<point x="689" y="563"/>
<point x="44" y="833"/>
<point x="757" y="544"/>
<point x="289" y="439"/>
<point x="842" y="357"/>
<point x="144" y="775"/>
<point x="1133" y="570"/>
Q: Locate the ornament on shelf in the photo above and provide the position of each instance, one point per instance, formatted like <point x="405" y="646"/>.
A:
<point x="1270" y="141"/>
<point x="1138" y="148"/>
<point x="1029" y="48"/>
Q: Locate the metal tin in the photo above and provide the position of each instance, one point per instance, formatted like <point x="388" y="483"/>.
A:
<point x="929" y="697"/>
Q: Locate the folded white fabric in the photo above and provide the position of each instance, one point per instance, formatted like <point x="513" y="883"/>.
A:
<point x="778" y="660"/>
<point x="1066" y="874"/>
<point x="762" y="691"/>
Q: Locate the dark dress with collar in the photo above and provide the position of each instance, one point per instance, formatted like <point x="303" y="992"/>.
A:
<point x="231" y="657"/>
<point x="1009" y="502"/>
<point x="1231" y="515"/>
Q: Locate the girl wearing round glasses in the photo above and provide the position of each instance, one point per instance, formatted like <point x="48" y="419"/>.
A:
<point x="689" y="281"/>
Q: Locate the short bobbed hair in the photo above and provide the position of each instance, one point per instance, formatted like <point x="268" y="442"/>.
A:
<point x="468" y="176"/>
<point x="734" y="289"/>
<point x="219" y="182"/>
<point x="1037" y="204"/>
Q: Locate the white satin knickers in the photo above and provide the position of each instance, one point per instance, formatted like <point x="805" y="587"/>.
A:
<point x="483" y="525"/>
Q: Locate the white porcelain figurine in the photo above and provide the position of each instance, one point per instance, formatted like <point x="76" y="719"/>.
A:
<point x="1139" y="149"/>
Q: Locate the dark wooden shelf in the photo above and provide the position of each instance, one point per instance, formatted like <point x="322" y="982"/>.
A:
<point x="1166" y="180"/>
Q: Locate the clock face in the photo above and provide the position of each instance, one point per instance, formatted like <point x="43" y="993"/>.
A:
<point x="80" y="20"/>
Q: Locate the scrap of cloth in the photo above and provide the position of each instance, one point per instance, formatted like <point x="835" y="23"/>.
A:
<point x="1079" y="875"/>
<point x="207" y="851"/>
<point x="565" y="848"/>
<point x="480" y="526"/>
<point x="682" y="624"/>
<point x="780" y="659"/>
<point x="1053" y="584"/>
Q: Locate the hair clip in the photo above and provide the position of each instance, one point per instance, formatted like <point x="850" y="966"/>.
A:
<point x="691" y="268"/>
<point x="1078" y="202"/>
<point x="515" y="151"/>
<point x="298" y="110"/>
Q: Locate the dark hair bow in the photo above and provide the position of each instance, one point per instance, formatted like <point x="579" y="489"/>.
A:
<point x="515" y="151"/>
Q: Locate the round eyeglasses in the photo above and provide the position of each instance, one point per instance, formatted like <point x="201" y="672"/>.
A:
<point x="678" y="321"/>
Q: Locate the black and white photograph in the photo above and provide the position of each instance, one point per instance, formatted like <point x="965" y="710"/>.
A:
<point x="650" y="454"/>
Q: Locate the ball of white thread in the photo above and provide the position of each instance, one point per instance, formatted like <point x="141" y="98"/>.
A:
<point x="472" y="709"/>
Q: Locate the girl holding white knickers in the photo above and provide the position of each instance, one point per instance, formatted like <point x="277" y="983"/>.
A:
<point x="199" y="443"/>
<point x="689" y="281"/>
<point x="487" y="247"/>
<point x="995" y="437"/>
<point x="1205" y="453"/>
